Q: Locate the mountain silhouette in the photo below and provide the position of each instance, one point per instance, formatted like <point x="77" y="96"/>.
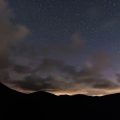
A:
<point x="10" y="96"/>
<point x="43" y="101"/>
<point x="7" y="92"/>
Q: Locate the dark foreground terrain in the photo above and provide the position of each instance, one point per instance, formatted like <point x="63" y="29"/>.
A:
<point x="45" y="102"/>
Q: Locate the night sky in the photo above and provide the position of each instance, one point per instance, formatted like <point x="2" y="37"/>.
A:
<point x="65" y="43"/>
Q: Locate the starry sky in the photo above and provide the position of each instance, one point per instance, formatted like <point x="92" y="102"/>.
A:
<point x="82" y="34"/>
<point x="54" y="23"/>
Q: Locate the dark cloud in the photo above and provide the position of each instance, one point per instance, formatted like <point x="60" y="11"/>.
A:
<point x="53" y="75"/>
<point x="9" y="33"/>
<point x="99" y="61"/>
<point x="53" y="66"/>
<point x="87" y="76"/>
<point x="4" y="75"/>
<point x="34" y="83"/>
<point x="105" y="84"/>
<point x="118" y="77"/>
<point x="92" y="78"/>
<point x="21" y="69"/>
<point x="77" y="41"/>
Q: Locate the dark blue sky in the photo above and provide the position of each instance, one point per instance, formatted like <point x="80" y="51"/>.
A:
<point x="70" y="30"/>
<point x="60" y="46"/>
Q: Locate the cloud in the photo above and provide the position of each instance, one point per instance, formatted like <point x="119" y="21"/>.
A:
<point x="77" y="41"/>
<point x="99" y="61"/>
<point x="104" y="84"/>
<point x="54" y="76"/>
<point x="118" y="77"/>
<point x="5" y="12"/>
<point x="4" y="76"/>
<point x="50" y="75"/>
<point x="21" y="69"/>
<point x="33" y="83"/>
<point x="90" y="77"/>
<point x="51" y="64"/>
<point x="9" y="33"/>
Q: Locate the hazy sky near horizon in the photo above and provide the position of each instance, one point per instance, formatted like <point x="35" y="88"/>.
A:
<point x="61" y="35"/>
